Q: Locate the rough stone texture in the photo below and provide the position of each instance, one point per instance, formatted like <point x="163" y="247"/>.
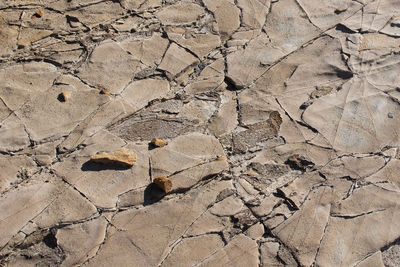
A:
<point x="176" y="60"/>
<point x="274" y="125"/>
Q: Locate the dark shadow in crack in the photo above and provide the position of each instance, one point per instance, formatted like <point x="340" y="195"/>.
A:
<point x="94" y="167"/>
<point x="152" y="194"/>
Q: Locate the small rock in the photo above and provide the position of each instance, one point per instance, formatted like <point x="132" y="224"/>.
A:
<point x="158" y="142"/>
<point x="163" y="183"/>
<point x="321" y="91"/>
<point x="64" y="96"/>
<point x="390" y="115"/>
<point x="39" y="13"/>
<point x="104" y="92"/>
<point x="122" y="157"/>
<point x="221" y="158"/>
<point x="340" y="10"/>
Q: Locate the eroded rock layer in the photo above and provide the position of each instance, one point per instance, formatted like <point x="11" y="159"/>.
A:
<point x="200" y="133"/>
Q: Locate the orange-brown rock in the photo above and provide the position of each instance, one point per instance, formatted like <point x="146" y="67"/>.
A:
<point x="121" y="157"/>
<point x="64" y="96"/>
<point x="158" y="142"/>
<point x="39" y="13"/>
<point x="163" y="183"/>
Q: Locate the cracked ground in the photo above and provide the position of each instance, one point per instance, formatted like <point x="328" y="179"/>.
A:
<point x="282" y="119"/>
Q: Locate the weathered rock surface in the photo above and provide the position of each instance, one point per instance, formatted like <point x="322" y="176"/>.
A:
<point x="200" y="133"/>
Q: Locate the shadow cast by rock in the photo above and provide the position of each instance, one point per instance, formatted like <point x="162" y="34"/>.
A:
<point x="152" y="194"/>
<point x="151" y="146"/>
<point x="94" y="166"/>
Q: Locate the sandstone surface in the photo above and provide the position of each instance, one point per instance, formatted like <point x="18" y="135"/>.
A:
<point x="200" y="133"/>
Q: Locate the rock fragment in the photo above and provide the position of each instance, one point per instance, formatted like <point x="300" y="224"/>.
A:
<point x="64" y="96"/>
<point x="158" y="142"/>
<point x="39" y="14"/>
<point x="163" y="183"/>
<point x="121" y="157"/>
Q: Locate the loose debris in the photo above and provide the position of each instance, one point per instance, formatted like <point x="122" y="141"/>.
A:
<point x="121" y="157"/>
<point x="163" y="183"/>
<point x="158" y="142"/>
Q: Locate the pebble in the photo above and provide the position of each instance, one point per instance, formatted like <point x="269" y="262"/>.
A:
<point x="163" y="183"/>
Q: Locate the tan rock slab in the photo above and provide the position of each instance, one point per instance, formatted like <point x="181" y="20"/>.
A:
<point x="241" y="251"/>
<point x="191" y="251"/>
<point x="227" y="16"/>
<point x="149" y="51"/>
<point x="110" y="67"/>
<point x="348" y="237"/>
<point x="148" y="233"/>
<point x="103" y="184"/>
<point x="373" y="260"/>
<point x="201" y="44"/>
<point x="176" y="60"/>
<point x="305" y="229"/>
<point x="179" y="13"/>
<point x="351" y="131"/>
<point x="269" y="254"/>
<point x="53" y="118"/>
<point x="81" y="241"/>
<point x="8" y="37"/>
<point x="139" y="93"/>
<point x="20" y="83"/>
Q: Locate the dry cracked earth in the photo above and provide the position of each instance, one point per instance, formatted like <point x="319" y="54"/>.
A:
<point x="282" y="120"/>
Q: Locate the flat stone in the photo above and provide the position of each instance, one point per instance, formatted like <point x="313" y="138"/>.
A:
<point x="139" y="93"/>
<point x="176" y="60"/>
<point x="198" y="247"/>
<point x="201" y="44"/>
<point x="50" y="120"/>
<point x="8" y="36"/>
<point x="269" y="254"/>
<point x="148" y="51"/>
<point x="344" y="128"/>
<point x="81" y="241"/>
<point x="110" y="67"/>
<point x="241" y="250"/>
<point x="102" y="184"/>
<point x="188" y="159"/>
<point x="180" y="13"/>
<point x="150" y="237"/>
<point x="306" y="227"/>
<point x="254" y="12"/>
<point x="349" y="224"/>
<point x="226" y="118"/>
<point x="93" y="15"/>
<point x="20" y="83"/>
<point x="227" y="207"/>
<point x="227" y="16"/>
